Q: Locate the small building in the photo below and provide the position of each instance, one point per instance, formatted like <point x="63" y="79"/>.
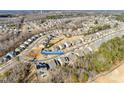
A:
<point x="57" y="62"/>
<point x="87" y="50"/>
<point x="17" y="51"/>
<point x="26" y="43"/>
<point x="33" y="38"/>
<point x="40" y="34"/>
<point x="60" y="47"/>
<point x="29" y="40"/>
<point x="49" y="37"/>
<point x="67" y="44"/>
<point x="79" y="53"/>
<point x="66" y="59"/>
<point x="77" y="42"/>
<point x="51" y="64"/>
<point x="8" y="56"/>
<point x="63" y="46"/>
<point x="22" y="47"/>
<point x="36" y="36"/>
<point x="57" y="48"/>
<point x="72" y="57"/>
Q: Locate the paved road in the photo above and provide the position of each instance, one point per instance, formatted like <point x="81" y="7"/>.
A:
<point x="97" y="43"/>
<point x="12" y="63"/>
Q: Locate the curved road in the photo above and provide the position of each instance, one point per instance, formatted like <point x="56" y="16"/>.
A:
<point x="11" y="63"/>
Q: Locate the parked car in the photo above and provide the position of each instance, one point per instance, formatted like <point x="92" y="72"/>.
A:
<point x="42" y="65"/>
